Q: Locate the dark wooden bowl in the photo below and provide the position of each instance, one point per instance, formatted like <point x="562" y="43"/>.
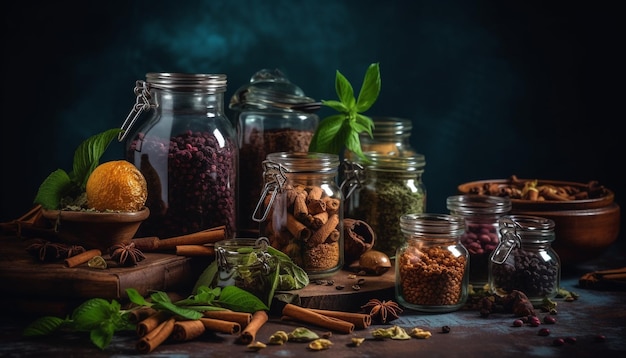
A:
<point x="96" y="230"/>
<point x="584" y="228"/>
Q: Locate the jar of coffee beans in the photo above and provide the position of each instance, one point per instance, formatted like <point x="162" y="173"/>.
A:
<point x="272" y="115"/>
<point x="525" y="260"/>
<point x="481" y="214"/>
<point x="187" y="151"/>
<point x="432" y="267"/>
<point x="380" y="189"/>
<point x="301" y="210"/>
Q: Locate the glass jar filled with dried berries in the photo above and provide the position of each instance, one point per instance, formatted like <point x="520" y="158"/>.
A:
<point x="301" y="210"/>
<point x="272" y="115"/>
<point x="187" y="151"/>
<point x="381" y="188"/>
<point x="481" y="213"/>
<point x="525" y="260"/>
<point x="432" y="267"/>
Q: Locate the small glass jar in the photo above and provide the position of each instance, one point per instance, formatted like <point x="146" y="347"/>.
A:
<point x="301" y="210"/>
<point x="525" y="260"/>
<point x="481" y="237"/>
<point x="272" y="115"/>
<point x="187" y="151"/>
<point x="245" y="263"/>
<point x="380" y="190"/>
<point x="432" y="267"/>
<point x="390" y="136"/>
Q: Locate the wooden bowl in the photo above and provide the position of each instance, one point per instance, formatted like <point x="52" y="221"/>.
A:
<point x="96" y="230"/>
<point x="584" y="228"/>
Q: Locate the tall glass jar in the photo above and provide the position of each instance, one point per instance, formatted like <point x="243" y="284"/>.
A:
<point x="187" y="151"/>
<point x="525" y="260"/>
<point x="272" y="115"/>
<point x="382" y="189"/>
<point x="301" y="210"/>
<point x="481" y="213"/>
<point x="245" y="263"/>
<point x="432" y="265"/>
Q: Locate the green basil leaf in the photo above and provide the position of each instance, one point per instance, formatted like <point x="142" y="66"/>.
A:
<point x="370" y="88"/>
<point x="53" y="188"/>
<point x="88" y="153"/>
<point x="237" y="299"/>
<point x="184" y="312"/>
<point x="336" y="105"/>
<point x="102" y="335"/>
<point x="344" y="90"/>
<point x="44" y="326"/>
<point x="325" y="138"/>
<point x="135" y="297"/>
<point x="91" y="313"/>
<point x="207" y="277"/>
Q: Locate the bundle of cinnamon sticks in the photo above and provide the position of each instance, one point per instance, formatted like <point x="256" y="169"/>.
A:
<point x="337" y="321"/>
<point x="156" y="327"/>
<point x="611" y="279"/>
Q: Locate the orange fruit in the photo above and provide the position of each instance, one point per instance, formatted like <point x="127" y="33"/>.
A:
<point x="116" y="185"/>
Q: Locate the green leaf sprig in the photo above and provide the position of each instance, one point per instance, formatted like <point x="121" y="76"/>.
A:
<point x="102" y="318"/>
<point x="342" y="130"/>
<point x="65" y="189"/>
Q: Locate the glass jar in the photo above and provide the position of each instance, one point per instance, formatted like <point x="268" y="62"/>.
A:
<point x="481" y="214"/>
<point x="301" y="210"/>
<point x="390" y="136"/>
<point x="272" y="115"/>
<point x="432" y="272"/>
<point x="186" y="150"/>
<point x="382" y="189"/>
<point x="525" y="260"/>
<point x="245" y="263"/>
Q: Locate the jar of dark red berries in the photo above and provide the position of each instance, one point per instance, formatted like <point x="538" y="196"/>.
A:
<point x="525" y="260"/>
<point x="481" y="237"/>
<point x="187" y="151"/>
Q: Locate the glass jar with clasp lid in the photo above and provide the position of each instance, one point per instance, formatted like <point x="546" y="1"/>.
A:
<point x="432" y="265"/>
<point x="390" y="136"/>
<point x="301" y="210"/>
<point x="246" y="263"/>
<point x="379" y="189"/>
<point x="272" y="115"/>
<point x="525" y="260"/>
<point x="482" y="235"/>
<point x="186" y="149"/>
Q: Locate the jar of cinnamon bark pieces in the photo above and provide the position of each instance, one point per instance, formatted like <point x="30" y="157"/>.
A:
<point x="186" y="149"/>
<point x="482" y="235"/>
<point x="525" y="260"/>
<point x="301" y="210"/>
<point x="432" y="267"/>
<point x="272" y="115"/>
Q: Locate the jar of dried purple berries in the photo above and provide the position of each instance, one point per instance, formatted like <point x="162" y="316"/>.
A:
<point x="187" y="151"/>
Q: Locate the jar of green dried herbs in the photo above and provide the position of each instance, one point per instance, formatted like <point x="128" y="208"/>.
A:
<point x="380" y="189"/>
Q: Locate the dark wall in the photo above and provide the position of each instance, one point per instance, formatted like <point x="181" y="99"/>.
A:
<point x="494" y="88"/>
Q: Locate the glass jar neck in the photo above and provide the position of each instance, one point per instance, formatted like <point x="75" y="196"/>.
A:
<point x="478" y="205"/>
<point x="432" y="227"/>
<point x="174" y="101"/>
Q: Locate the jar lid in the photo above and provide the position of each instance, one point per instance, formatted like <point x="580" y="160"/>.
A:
<point x="435" y="225"/>
<point x="187" y="82"/>
<point x="272" y="90"/>
<point x="475" y="204"/>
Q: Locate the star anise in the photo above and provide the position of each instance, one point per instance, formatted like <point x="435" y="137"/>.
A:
<point x="382" y="311"/>
<point x="126" y="254"/>
<point x="46" y="251"/>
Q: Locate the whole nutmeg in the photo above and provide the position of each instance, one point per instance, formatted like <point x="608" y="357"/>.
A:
<point x="372" y="262"/>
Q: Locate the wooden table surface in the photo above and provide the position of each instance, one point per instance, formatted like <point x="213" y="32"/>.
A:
<point x="596" y="312"/>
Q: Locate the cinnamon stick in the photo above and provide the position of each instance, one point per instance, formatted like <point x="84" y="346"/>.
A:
<point x="308" y="316"/>
<point x="139" y="314"/>
<point x="220" y="325"/>
<point x="249" y="334"/>
<point x="150" y="323"/>
<point x="243" y="318"/>
<point x="360" y="320"/>
<point x="155" y="337"/>
<point x="187" y="330"/>
<point x="207" y="236"/>
<point x="82" y="258"/>
<point x="195" y="250"/>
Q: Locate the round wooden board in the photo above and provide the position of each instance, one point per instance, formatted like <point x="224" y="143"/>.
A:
<point x="326" y="293"/>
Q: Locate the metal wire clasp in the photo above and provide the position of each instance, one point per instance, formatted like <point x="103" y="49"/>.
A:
<point x="352" y="180"/>
<point x="142" y="103"/>
<point x="275" y="179"/>
<point x="510" y="240"/>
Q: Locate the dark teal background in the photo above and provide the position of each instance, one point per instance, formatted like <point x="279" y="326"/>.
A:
<point x="494" y="88"/>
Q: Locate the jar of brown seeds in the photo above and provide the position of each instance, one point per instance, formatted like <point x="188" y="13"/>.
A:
<point x="432" y="267"/>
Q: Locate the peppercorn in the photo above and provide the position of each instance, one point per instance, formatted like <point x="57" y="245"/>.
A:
<point x="445" y="329"/>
